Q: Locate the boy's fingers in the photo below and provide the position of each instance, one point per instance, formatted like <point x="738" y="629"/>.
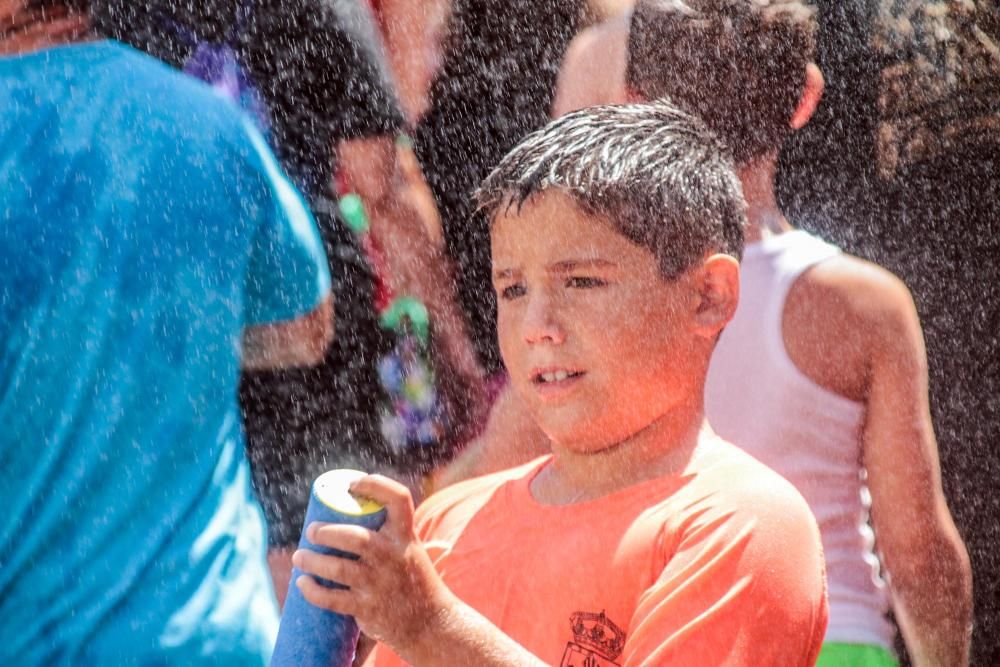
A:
<point x="345" y="537"/>
<point x="336" y="600"/>
<point x="394" y="496"/>
<point x="342" y="570"/>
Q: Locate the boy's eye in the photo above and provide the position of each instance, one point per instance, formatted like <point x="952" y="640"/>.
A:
<point x="585" y="282"/>
<point x="513" y="291"/>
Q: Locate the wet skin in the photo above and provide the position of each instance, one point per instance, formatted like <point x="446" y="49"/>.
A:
<point x="597" y="342"/>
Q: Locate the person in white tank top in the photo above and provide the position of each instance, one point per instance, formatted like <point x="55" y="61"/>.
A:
<point x="822" y="375"/>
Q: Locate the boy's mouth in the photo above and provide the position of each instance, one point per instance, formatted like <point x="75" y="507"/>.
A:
<point x="550" y="376"/>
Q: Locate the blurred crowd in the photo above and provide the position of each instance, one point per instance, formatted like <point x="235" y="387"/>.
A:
<point x="361" y="269"/>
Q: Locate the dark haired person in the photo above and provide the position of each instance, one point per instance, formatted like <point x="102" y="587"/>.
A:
<point x="147" y="251"/>
<point x="643" y="538"/>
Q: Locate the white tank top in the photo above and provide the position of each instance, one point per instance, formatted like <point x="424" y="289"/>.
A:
<point x="758" y="399"/>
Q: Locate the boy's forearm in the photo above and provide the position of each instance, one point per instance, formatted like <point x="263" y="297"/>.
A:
<point x="459" y="635"/>
<point x="933" y="604"/>
<point x="292" y="343"/>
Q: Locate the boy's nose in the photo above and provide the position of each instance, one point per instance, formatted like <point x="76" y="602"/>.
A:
<point x="541" y="322"/>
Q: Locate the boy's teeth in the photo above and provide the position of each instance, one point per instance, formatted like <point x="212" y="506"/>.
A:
<point x="549" y="377"/>
<point x="561" y="375"/>
<point x="555" y="376"/>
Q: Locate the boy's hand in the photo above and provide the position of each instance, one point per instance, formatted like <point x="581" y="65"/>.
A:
<point x="395" y="592"/>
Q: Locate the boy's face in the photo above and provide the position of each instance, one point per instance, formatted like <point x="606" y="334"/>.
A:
<point x="597" y="342"/>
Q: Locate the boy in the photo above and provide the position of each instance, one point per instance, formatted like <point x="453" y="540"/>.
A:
<point x="147" y="251"/>
<point x="643" y="538"/>
<point x="822" y="374"/>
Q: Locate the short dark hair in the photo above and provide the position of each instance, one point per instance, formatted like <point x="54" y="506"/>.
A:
<point x="654" y="172"/>
<point x="738" y="64"/>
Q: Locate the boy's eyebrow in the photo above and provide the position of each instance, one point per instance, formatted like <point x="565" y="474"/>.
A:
<point x="564" y="266"/>
<point x="568" y="265"/>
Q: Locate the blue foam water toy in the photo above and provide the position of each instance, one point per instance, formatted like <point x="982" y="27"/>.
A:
<point x="308" y="635"/>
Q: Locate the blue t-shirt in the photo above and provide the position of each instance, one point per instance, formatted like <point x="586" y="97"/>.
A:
<point x="143" y="224"/>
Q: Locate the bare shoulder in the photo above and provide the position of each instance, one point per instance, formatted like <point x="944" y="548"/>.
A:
<point x="599" y="39"/>
<point x="611" y="34"/>
<point x="860" y="291"/>
<point x="839" y="315"/>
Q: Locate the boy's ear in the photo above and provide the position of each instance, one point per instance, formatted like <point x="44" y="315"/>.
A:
<point x="812" y="92"/>
<point x="717" y="283"/>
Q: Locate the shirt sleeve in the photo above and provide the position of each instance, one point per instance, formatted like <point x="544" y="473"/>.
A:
<point x="740" y="586"/>
<point x="288" y="274"/>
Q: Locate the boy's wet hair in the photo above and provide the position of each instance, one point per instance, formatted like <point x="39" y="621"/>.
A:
<point x="737" y="64"/>
<point x="655" y="173"/>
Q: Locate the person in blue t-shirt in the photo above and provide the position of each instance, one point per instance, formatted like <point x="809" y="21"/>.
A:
<point x="149" y="246"/>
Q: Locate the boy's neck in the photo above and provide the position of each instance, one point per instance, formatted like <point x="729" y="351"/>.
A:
<point x="663" y="448"/>
<point x="764" y="217"/>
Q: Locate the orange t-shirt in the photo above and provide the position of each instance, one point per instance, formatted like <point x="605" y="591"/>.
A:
<point x="720" y="565"/>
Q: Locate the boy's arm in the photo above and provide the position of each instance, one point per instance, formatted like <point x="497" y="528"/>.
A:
<point x="288" y="317"/>
<point x="395" y="593"/>
<point x="299" y="342"/>
<point x="930" y="575"/>
<point x="743" y="582"/>
<point x="412" y="31"/>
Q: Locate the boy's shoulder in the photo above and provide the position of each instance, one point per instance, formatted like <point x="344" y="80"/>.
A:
<point x="593" y="69"/>
<point x="731" y="477"/>
<point x="608" y="38"/>
<point x="141" y="74"/>
<point x="859" y="305"/>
